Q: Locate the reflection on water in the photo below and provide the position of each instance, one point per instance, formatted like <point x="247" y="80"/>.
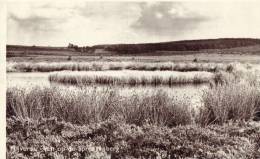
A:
<point x="27" y="79"/>
<point x="191" y="93"/>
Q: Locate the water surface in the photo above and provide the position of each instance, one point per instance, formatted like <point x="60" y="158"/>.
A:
<point x="190" y="93"/>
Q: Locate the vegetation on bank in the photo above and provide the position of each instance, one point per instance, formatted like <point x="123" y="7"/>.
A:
<point x="101" y="66"/>
<point x="131" y="78"/>
<point x="229" y="73"/>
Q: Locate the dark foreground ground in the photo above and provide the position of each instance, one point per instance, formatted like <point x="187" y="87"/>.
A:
<point x="49" y="138"/>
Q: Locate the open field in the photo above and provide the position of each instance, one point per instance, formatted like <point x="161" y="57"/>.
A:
<point x="207" y="50"/>
<point x="202" y="57"/>
<point x="223" y="46"/>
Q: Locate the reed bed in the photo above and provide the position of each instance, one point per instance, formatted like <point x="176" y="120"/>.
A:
<point x="131" y="78"/>
<point x="101" y="66"/>
<point x="220" y="104"/>
<point x="85" y="106"/>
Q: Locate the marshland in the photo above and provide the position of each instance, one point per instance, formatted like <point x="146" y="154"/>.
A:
<point x="116" y="104"/>
<point x="132" y="80"/>
<point x="122" y="80"/>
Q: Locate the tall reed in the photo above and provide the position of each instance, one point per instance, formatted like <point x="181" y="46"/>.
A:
<point x="131" y="78"/>
<point x="84" y="106"/>
<point x="229" y="102"/>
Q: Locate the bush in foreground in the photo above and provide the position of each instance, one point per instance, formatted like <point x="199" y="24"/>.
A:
<point x="49" y="138"/>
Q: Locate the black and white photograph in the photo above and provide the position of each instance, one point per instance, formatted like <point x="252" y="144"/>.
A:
<point x="131" y="79"/>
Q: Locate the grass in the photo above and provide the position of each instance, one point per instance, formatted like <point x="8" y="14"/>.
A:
<point x="85" y="106"/>
<point x="131" y="78"/>
<point x="98" y="66"/>
<point x="221" y="103"/>
<point x="230" y="101"/>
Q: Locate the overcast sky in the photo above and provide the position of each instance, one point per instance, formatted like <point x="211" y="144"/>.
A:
<point x="90" y="23"/>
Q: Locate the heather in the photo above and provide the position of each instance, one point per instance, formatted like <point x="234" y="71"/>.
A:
<point x="113" y="138"/>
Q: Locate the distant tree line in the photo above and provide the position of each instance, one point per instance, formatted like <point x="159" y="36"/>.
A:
<point x="192" y="45"/>
<point x="188" y="45"/>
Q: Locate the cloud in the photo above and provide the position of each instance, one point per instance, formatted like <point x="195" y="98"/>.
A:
<point x="37" y="14"/>
<point x="167" y="19"/>
<point x="110" y="10"/>
<point x="35" y="23"/>
<point x="90" y="23"/>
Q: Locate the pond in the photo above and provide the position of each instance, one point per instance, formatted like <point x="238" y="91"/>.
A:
<point x="27" y="79"/>
<point x="190" y="93"/>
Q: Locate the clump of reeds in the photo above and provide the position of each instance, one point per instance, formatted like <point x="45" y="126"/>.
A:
<point x="221" y="78"/>
<point x="84" y="106"/>
<point x="236" y="73"/>
<point x="130" y="78"/>
<point x="235" y="101"/>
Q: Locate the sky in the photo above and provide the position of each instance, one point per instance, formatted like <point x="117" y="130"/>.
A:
<point x="87" y="23"/>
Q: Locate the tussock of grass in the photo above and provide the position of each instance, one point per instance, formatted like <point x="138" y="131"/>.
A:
<point x="232" y="101"/>
<point x="237" y="73"/>
<point x="82" y="106"/>
<point x="131" y="78"/>
<point x="98" y="66"/>
<point x="222" y="77"/>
